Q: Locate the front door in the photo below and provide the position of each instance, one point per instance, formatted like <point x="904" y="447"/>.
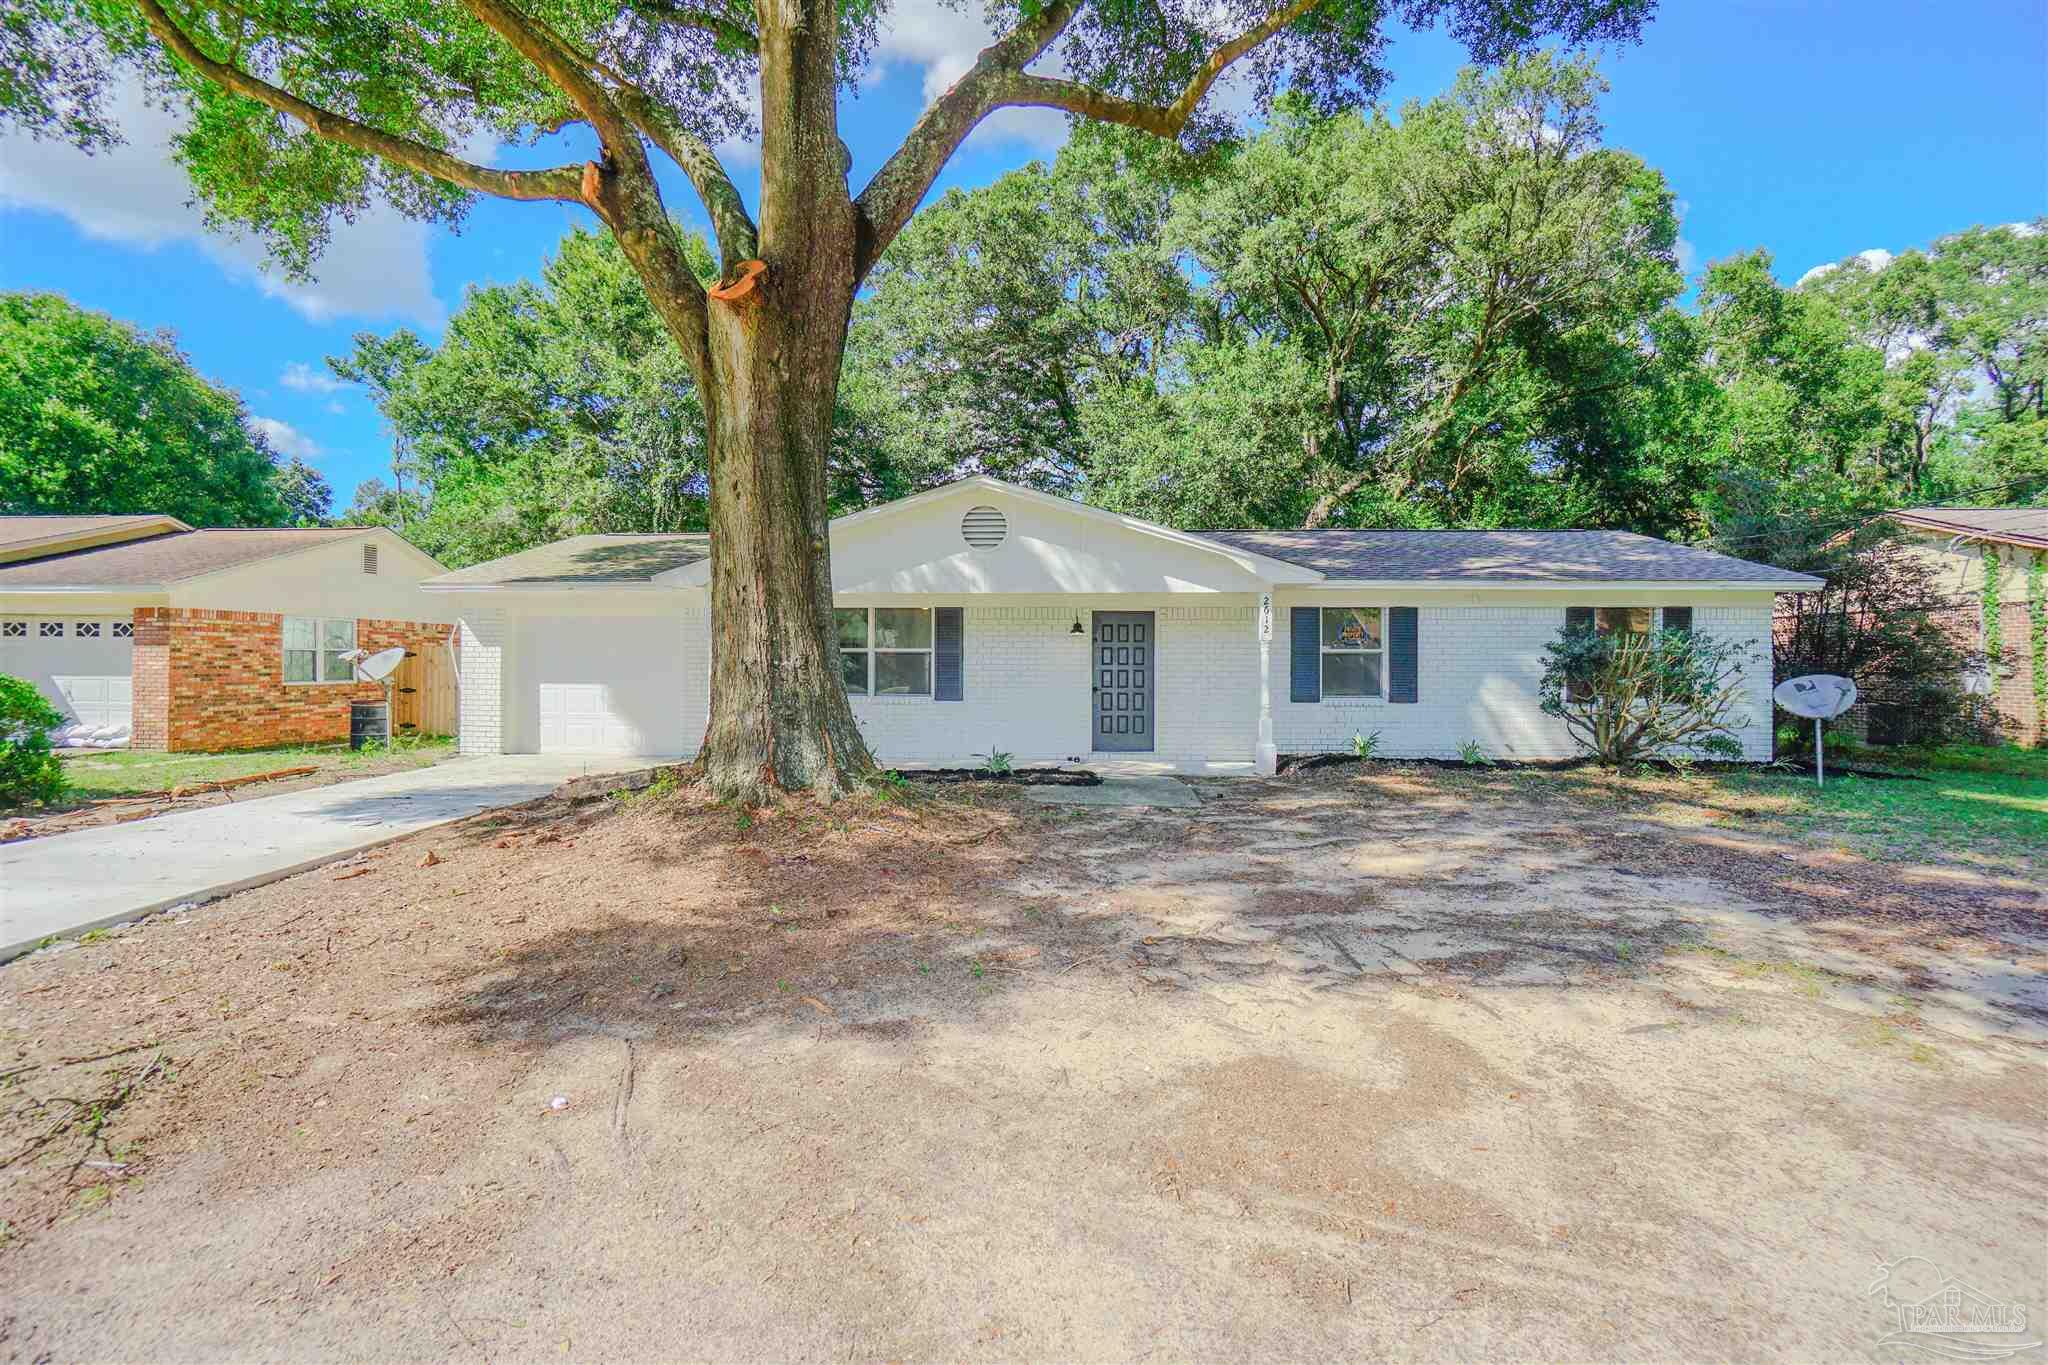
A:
<point x="1124" y="650"/>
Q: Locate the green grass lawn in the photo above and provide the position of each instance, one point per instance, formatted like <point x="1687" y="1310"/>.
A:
<point x="130" y="773"/>
<point x="1982" y="805"/>
<point x="1997" y="818"/>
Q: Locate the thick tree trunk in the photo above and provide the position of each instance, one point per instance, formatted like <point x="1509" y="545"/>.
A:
<point x="779" y="715"/>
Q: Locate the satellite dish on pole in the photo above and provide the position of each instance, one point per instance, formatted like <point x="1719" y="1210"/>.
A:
<point x="381" y="665"/>
<point x="1822" y="696"/>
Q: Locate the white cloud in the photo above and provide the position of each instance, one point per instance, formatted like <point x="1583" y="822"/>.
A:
<point x="1877" y="258"/>
<point x="136" y="195"/>
<point x="303" y="378"/>
<point x="337" y="407"/>
<point x="286" y="439"/>
<point x="944" y="42"/>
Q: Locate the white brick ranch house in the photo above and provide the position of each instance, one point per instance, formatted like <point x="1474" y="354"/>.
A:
<point x="982" y="616"/>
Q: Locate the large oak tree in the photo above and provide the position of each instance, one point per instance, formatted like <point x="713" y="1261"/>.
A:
<point x="304" y="110"/>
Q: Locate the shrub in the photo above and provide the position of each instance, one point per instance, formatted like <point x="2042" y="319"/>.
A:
<point x="1628" y="696"/>
<point x="1366" y="747"/>
<point x="1474" y="753"/>
<point x="29" y="772"/>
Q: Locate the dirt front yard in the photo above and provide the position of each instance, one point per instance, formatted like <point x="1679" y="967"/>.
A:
<point x="1372" y="1061"/>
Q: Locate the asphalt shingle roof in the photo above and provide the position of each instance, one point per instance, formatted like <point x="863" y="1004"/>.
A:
<point x="1501" y="556"/>
<point x="613" y="559"/>
<point x="30" y="530"/>
<point x="2020" y="525"/>
<point x="163" y="559"/>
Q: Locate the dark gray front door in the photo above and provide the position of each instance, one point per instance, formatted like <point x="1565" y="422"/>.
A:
<point x="1124" y="650"/>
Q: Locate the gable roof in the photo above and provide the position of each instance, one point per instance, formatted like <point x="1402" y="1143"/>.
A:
<point x="2013" y="525"/>
<point x="1301" y="558"/>
<point x="1496" y="557"/>
<point x="34" y="537"/>
<point x="589" y="560"/>
<point x="169" y="558"/>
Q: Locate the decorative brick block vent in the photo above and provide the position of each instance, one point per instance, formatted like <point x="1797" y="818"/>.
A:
<point x="213" y="680"/>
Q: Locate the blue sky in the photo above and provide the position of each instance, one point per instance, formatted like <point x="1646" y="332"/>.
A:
<point x="1815" y="130"/>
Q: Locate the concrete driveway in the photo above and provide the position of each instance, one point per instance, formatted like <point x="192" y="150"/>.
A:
<point x="69" y="883"/>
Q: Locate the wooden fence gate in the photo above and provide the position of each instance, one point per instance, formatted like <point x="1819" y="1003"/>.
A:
<point x="423" y="692"/>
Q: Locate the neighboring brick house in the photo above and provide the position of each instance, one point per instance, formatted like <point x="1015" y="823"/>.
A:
<point x="982" y="617"/>
<point x="1960" y="543"/>
<point x="219" y="639"/>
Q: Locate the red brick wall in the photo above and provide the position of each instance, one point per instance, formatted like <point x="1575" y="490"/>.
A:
<point x="2011" y="712"/>
<point x="214" y="680"/>
<point x="152" y="681"/>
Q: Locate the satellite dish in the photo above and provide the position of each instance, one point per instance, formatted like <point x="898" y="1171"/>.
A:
<point x="1820" y="696"/>
<point x="379" y="666"/>
<point x="1817" y="696"/>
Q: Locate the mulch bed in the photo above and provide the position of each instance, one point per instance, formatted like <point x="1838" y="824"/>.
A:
<point x="1022" y="777"/>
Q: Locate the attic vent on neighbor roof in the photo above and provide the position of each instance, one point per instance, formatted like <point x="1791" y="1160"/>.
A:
<point x="984" y="528"/>
<point x="369" y="559"/>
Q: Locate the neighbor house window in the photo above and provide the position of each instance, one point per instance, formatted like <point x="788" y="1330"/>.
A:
<point x="317" y="650"/>
<point x="1622" y="620"/>
<point x="1354" y="656"/>
<point x="885" y="651"/>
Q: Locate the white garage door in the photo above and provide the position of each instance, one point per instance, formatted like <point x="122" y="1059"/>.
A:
<point x="83" y="664"/>
<point x="610" y="684"/>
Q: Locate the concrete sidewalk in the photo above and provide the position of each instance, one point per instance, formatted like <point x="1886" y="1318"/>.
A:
<point x="69" y="883"/>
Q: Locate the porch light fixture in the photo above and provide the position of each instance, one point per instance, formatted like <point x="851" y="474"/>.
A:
<point x="1075" y="629"/>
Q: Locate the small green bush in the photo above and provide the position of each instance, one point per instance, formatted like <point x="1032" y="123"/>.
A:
<point x="29" y="772"/>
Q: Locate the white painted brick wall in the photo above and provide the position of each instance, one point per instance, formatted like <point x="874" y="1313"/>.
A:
<point x="1027" y="684"/>
<point x="1478" y="672"/>
<point x="1028" y="678"/>
<point x="480" y="725"/>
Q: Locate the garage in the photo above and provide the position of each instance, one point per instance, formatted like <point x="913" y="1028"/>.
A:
<point x="85" y="665"/>
<point x="609" y="684"/>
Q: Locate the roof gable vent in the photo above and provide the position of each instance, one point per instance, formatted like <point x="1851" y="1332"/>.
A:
<point x="369" y="559"/>
<point x="984" y="528"/>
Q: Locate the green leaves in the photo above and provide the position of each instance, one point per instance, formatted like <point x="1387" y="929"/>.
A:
<point x="548" y="410"/>
<point x="95" y="417"/>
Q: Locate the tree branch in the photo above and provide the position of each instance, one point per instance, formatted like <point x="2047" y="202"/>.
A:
<point x="998" y="80"/>
<point x="720" y="25"/>
<point x="738" y="238"/>
<point x="892" y="196"/>
<point x="563" y="182"/>
<point x="569" y="70"/>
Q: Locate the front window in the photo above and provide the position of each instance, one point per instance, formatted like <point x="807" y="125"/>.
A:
<point x="317" y="650"/>
<point x="1354" y="656"/>
<point x="885" y="651"/>
<point x="1621" y="620"/>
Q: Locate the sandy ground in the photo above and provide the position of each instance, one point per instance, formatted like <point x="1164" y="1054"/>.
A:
<point x="1367" y="1062"/>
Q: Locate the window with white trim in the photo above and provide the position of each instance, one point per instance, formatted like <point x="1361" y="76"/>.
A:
<point x="86" y="630"/>
<point x="317" y="650"/>
<point x="885" y="651"/>
<point x="50" y="630"/>
<point x="14" y="630"/>
<point x="124" y="630"/>
<point x="1354" y="652"/>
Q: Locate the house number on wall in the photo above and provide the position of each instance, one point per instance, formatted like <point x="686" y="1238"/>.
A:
<point x="1265" y="618"/>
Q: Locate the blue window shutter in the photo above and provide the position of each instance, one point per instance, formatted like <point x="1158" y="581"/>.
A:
<point x="1306" y="653"/>
<point x="1678" y="618"/>
<point x="1578" y="618"/>
<point x="1403" y="663"/>
<point x="949" y="674"/>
